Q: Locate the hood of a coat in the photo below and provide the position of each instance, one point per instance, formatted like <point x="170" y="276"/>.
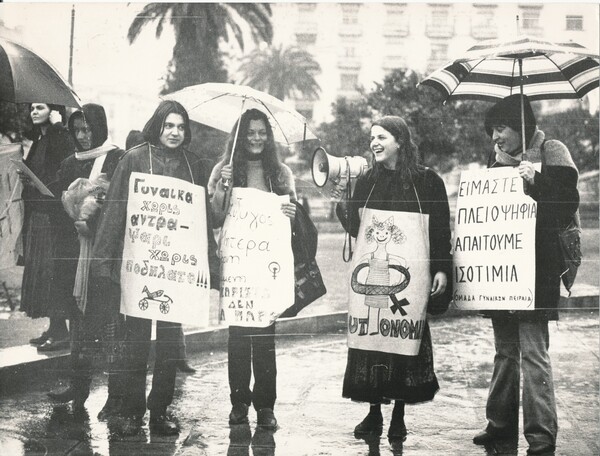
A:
<point x="95" y="116"/>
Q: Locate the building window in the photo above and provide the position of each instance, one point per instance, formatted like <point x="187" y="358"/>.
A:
<point x="348" y="81"/>
<point x="575" y="23"/>
<point x="395" y="12"/>
<point x="306" y="8"/>
<point x="440" y="23"/>
<point x="349" y="51"/>
<point x="531" y="20"/>
<point x="483" y="25"/>
<point x="304" y="40"/>
<point x="438" y="56"/>
<point x="350" y="13"/>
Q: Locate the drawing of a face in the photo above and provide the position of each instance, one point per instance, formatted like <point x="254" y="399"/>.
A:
<point x="382" y="232"/>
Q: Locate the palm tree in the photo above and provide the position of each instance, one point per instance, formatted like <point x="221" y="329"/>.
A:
<point x="282" y="72"/>
<point x="199" y="29"/>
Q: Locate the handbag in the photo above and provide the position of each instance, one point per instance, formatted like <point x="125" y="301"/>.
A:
<point x="570" y="247"/>
<point x="569" y="240"/>
<point x="309" y="285"/>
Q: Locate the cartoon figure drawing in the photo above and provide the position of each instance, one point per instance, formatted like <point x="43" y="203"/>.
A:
<point x="377" y="288"/>
<point x="156" y="297"/>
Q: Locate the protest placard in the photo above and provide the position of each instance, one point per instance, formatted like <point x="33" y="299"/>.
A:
<point x="21" y="166"/>
<point x="390" y="282"/>
<point x="165" y="275"/>
<point x="11" y="208"/>
<point x="494" y="241"/>
<point x="257" y="263"/>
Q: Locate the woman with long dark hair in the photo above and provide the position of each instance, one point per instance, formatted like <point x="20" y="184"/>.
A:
<point x="256" y="165"/>
<point x="396" y="192"/>
<point x="45" y="292"/>
<point x="167" y="134"/>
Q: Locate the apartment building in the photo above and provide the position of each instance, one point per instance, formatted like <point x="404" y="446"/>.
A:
<point x="357" y="43"/>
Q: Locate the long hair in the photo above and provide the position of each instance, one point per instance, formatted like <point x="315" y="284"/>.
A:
<point x="270" y="159"/>
<point x="34" y="130"/>
<point x="407" y="164"/>
<point x="155" y="126"/>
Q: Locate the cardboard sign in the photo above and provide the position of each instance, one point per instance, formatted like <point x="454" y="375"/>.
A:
<point x="494" y="241"/>
<point x="165" y="275"/>
<point x="21" y="166"/>
<point x="11" y="205"/>
<point x="390" y="282"/>
<point x="257" y="263"/>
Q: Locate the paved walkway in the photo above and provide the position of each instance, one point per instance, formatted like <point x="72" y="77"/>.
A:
<point x="314" y="418"/>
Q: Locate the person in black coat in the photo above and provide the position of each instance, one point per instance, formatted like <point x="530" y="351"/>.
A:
<point x="398" y="184"/>
<point x="45" y="291"/>
<point x="521" y="337"/>
<point x="93" y="158"/>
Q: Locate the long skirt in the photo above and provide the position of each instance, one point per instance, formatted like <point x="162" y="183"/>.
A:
<point x="49" y="274"/>
<point x="377" y="377"/>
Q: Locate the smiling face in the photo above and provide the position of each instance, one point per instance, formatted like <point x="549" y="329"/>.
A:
<point x="40" y="113"/>
<point x="507" y="139"/>
<point x="256" y="136"/>
<point x="382" y="234"/>
<point x="173" y="132"/>
<point x="82" y="133"/>
<point x="384" y="146"/>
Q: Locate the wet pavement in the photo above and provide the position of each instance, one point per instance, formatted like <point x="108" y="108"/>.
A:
<point x="313" y="417"/>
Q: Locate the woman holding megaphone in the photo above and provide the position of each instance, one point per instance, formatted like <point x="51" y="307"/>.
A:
<point x="399" y="215"/>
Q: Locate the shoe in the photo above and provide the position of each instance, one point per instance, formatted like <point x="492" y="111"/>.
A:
<point x="66" y="395"/>
<point x="485" y="437"/>
<point x="397" y="430"/>
<point x="126" y="426"/>
<point x="53" y="344"/>
<point x="162" y="424"/>
<point x="183" y="366"/>
<point x="372" y="424"/>
<point x="266" y="418"/>
<point x="239" y="413"/>
<point x="111" y="408"/>
<point x="541" y="448"/>
<point x="39" y="340"/>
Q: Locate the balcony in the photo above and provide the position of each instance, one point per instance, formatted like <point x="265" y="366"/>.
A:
<point x="484" y="32"/>
<point x="305" y="28"/>
<point x="350" y="30"/>
<point x="533" y="31"/>
<point x="440" y="30"/>
<point x="400" y="29"/>
<point x="349" y="63"/>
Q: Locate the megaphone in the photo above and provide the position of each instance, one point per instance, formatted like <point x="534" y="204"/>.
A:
<point x="326" y="167"/>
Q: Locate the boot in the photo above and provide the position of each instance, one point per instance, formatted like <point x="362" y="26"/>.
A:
<point x="397" y="429"/>
<point x="111" y="408"/>
<point x="373" y="422"/>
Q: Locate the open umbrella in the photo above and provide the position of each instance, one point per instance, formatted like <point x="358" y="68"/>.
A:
<point x="492" y="70"/>
<point x="220" y="105"/>
<point x="27" y="78"/>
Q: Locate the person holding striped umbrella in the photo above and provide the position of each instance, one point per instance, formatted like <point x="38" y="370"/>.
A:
<point x="521" y="337"/>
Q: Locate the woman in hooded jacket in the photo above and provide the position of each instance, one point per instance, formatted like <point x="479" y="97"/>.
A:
<point x="93" y="162"/>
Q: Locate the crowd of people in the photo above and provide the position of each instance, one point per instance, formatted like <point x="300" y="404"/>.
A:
<point x="72" y="264"/>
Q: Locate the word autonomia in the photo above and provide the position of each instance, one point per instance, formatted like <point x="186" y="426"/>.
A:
<point x="405" y="329"/>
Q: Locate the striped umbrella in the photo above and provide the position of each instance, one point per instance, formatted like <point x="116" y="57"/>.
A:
<point x="492" y="70"/>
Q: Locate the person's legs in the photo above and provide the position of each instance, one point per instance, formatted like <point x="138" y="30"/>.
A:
<point x="168" y="338"/>
<point x="539" y="404"/>
<point x="265" y="375"/>
<point x="81" y="369"/>
<point x="502" y="409"/>
<point x="138" y="333"/>
<point x="264" y="367"/>
<point x="239" y="365"/>
<point x="397" y="429"/>
<point x="372" y="423"/>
